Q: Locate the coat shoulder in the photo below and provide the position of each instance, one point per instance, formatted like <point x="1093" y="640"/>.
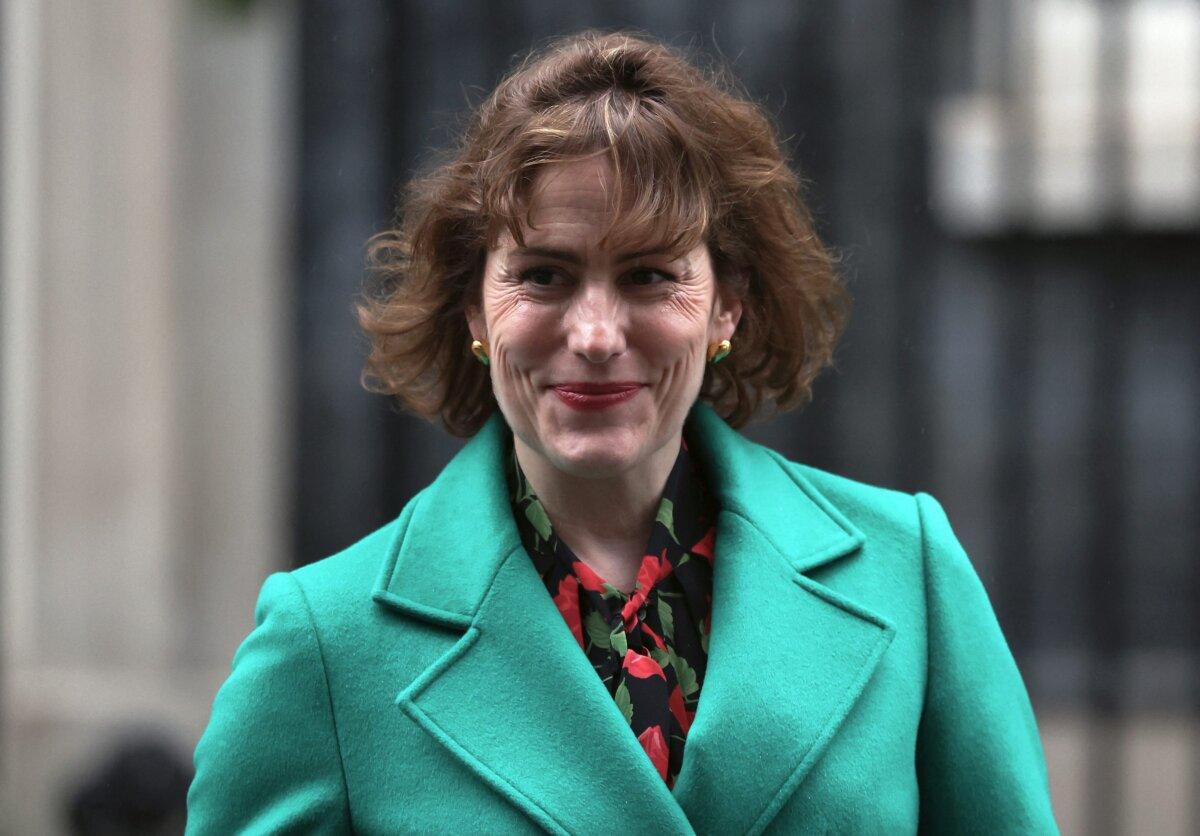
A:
<point x="353" y="567"/>
<point x="874" y="509"/>
<point x="347" y="576"/>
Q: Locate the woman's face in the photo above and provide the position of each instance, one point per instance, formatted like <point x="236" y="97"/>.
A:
<point x="562" y="310"/>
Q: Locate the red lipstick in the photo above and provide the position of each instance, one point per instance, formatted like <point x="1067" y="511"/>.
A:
<point x="593" y="396"/>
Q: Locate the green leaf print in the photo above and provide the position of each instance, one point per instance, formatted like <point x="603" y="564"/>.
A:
<point x="667" y="618"/>
<point x="624" y="702"/>
<point x="611" y="591"/>
<point x="618" y="640"/>
<point x="666" y="516"/>
<point x="524" y="489"/>
<point x="683" y="559"/>
<point x="684" y="674"/>
<point x="597" y="630"/>
<point x="536" y="515"/>
<point x="704" y="641"/>
<point x="661" y="656"/>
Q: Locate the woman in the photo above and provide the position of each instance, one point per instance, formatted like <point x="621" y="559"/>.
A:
<point x="609" y="276"/>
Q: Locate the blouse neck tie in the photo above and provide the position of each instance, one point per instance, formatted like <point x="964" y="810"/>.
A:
<point x="650" y="646"/>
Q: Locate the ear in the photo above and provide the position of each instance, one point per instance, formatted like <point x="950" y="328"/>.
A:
<point x="727" y="311"/>
<point x="476" y="324"/>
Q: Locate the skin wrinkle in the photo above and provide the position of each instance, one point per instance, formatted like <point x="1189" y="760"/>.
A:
<point x="600" y="475"/>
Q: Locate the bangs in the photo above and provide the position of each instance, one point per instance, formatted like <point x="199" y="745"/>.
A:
<point x="663" y="191"/>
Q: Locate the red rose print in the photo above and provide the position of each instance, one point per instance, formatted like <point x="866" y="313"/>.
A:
<point x="640" y="591"/>
<point x="656" y="747"/>
<point x="629" y="611"/>
<point x="665" y="567"/>
<point x="648" y="572"/>
<point x="567" y="601"/>
<point x="588" y="577"/>
<point x="641" y="665"/>
<point x="674" y="628"/>
<point x="675" y="703"/>
<point x="704" y="546"/>
<point x="652" y="570"/>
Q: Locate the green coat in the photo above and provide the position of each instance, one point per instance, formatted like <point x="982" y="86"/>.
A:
<point x="423" y="680"/>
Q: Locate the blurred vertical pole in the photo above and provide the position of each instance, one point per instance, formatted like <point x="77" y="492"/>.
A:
<point x="408" y="451"/>
<point x="915" y="242"/>
<point x="19" y="79"/>
<point x="344" y="192"/>
<point x="1191" y="705"/>
<point x="1014" y="263"/>
<point x="875" y="123"/>
<point x="1014" y="599"/>
<point x="427" y="90"/>
<point x="783" y="54"/>
<point x="814" y="117"/>
<point x="1105" y="553"/>
<point x="236" y="179"/>
<point x="868" y="127"/>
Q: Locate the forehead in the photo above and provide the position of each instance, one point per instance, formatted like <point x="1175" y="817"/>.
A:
<point x="572" y="194"/>
<point x="589" y="203"/>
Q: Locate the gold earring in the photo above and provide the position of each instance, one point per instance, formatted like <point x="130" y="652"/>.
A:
<point x="719" y="351"/>
<point x="480" y="350"/>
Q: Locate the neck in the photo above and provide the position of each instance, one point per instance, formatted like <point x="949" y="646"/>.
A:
<point x="607" y="516"/>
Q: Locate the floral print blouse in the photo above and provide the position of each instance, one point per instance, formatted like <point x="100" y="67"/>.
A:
<point x="650" y="646"/>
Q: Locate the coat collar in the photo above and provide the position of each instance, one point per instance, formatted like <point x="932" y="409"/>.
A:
<point x="456" y="559"/>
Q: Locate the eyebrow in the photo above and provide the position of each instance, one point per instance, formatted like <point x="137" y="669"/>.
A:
<point x="572" y="258"/>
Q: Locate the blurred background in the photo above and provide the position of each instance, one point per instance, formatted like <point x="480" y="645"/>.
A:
<point x="187" y="188"/>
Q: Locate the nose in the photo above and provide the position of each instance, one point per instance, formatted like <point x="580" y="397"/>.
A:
<point x="596" y="323"/>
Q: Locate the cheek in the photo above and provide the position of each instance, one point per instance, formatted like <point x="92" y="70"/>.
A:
<point x="676" y="326"/>
<point x="520" y="333"/>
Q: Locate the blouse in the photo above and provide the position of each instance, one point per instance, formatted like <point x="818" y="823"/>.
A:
<point x="650" y="646"/>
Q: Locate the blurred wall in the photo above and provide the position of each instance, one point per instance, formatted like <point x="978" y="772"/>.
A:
<point x="148" y="173"/>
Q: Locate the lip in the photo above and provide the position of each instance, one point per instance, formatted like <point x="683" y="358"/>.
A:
<point x="590" y="402"/>
<point x="599" y="388"/>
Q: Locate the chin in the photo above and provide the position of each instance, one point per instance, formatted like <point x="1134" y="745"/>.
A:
<point x="595" y="451"/>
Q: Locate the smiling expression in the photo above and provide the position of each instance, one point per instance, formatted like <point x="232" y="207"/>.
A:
<point x="563" y="310"/>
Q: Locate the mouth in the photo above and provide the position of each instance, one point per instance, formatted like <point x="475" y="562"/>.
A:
<point x="598" y="388"/>
<point x="609" y="395"/>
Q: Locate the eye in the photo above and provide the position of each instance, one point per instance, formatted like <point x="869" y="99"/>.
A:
<point x="639" y="276"/>
<point x="648" y="272"/>
<point x="530" y="274"/>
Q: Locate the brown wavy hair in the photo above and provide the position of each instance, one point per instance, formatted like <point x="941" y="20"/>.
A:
<point x="694" y="159"/>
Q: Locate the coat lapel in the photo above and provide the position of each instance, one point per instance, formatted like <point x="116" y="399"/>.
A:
<point x="787" y="656"/>
<point x="518" y="703"/>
